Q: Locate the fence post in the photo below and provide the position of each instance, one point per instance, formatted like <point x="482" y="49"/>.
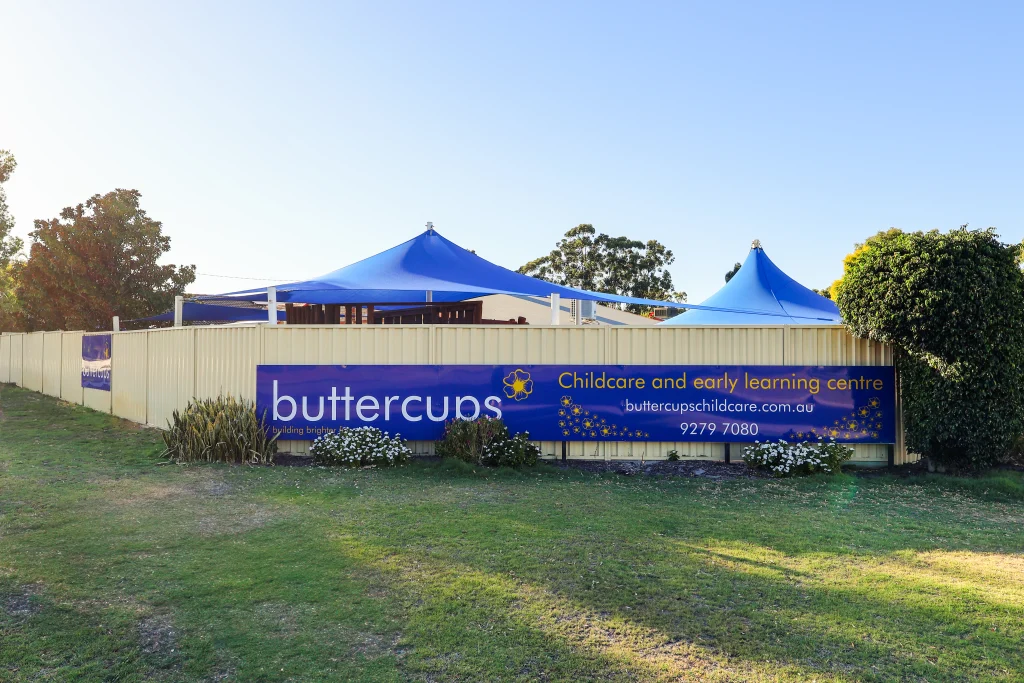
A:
<point x="179" y="310"/>
<point x="116" y="326"/>
<point x="272" y="305"/>
<point x="556" y="309"/>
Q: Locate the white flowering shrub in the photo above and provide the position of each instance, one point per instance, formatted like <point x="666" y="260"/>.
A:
<point x="510" y="452"/>
<point x="784" y="459"/>
<point x="359" y="446"/>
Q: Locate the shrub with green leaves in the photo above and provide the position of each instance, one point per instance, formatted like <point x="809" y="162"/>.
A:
<point x="486" y="441"/>
<point x="784" y="459"/>
<point x="466" y="439"/>
<point x="514" y="452"/>
<point x="950" y="304"/>
<point x="359" y="446"/>
<point x="224" y="429"/>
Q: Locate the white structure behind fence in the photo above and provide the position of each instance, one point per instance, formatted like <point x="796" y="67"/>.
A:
<point x="158" y="371"/>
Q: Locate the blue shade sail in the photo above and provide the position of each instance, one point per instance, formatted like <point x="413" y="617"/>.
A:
<point x="429" y="263"/>
<point x="758" y="290"/>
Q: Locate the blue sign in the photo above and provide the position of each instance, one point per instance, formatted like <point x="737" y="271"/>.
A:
<point x="716" y="403"/>
<point x="96" y="364"/>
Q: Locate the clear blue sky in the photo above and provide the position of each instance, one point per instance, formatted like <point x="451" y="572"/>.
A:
<point x="286" y="140"/>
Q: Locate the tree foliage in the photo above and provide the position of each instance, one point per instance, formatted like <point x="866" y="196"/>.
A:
<point x="10" y="247"/>
<point x="951" y="305"/>
<point x="586" y="259"/>
<point x="98" y="260"/>
<point x="732" y="273"/>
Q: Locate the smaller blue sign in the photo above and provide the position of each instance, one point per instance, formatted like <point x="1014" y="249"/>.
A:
<point x="96" y="362"/>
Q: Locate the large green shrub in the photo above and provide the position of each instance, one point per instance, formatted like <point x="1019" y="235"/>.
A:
<point x="219" y="430"/>
<point x="951" y="304"/>
<point x="486" y="441"/>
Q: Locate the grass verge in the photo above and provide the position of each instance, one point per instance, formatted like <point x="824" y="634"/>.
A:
<point x="116" y="567"/>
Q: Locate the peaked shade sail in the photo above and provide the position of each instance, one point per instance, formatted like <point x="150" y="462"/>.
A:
<point x="762" y="288"/>
<point x="430" y="264"/>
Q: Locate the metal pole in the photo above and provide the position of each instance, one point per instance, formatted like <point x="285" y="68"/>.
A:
<point x="556" y="309"/>
<point x="117" y="324"/>
<point x="179" y="309"/>
<point x="271" y="305"/>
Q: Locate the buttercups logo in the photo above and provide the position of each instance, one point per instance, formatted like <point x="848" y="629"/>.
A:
<point x="518" y="384"/>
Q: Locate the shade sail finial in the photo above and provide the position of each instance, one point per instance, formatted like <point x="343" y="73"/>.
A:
<point x="756" y="244"/>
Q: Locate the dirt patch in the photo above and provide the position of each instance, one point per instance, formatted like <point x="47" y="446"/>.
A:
<point x="19" y="602"/>
<point x="373" y="645"/>
<point x="131" y="492"/>
<point x="236" y="520"/>
<point x="679" y="469"/>
<point x="157" y="635"/>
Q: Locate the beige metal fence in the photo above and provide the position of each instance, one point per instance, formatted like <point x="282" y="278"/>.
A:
<point x="158" y="371"/>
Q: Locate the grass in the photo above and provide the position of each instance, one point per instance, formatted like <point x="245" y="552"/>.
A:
<point x="116" y="567"/>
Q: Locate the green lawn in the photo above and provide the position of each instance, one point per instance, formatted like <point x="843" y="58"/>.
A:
<point x="116" y="567"/>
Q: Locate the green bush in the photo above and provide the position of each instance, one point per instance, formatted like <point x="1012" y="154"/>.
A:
<point x="466" y="439"/>
<point x="514" y="452"/>
<point x="950" y="304"/>
<point x="360" y="446"/>
<point x="219" y="430"/>
<point x="486" y="441"/>
<point x="784" y="459"/>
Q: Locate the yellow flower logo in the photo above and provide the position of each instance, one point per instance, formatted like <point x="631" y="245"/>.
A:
<point x="567" y="401"/>
<point x="518" y="384"/>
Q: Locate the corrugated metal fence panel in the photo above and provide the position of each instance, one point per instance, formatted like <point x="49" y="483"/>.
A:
<point x="171" y="377"/>
<point x="32" y="373"/>
<point x="128" y="375"/>
<point x="527" y="344"/>
<point x="226" y="359"/>
<point x="51" y="363"/>
<point x="96" y="400"/>
<point x="696" y="345"/>
<point x="346" y="345"/>
<point x="17" y="359"/>
<point x="5" y="358"/>
<point x="71" y="367"/>
<point x="832" y="345"/>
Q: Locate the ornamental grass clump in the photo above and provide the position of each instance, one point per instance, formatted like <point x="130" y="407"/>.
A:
<point x="783" y="459"/>
<point x="359" y="447"/>
<point x="224" y="429"/>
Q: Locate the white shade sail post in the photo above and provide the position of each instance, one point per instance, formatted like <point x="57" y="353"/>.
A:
<point x="556" y="309"/>
<point x="271" y="305"/>
<point x="116" y="327"/>
<point x="179" y="308"/>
